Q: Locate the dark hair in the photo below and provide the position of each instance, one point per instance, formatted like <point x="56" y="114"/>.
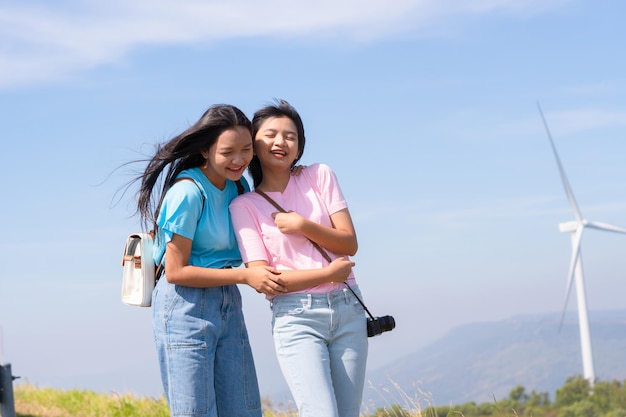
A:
<point x="280" y="108"/>
<point x="183" y="152"/>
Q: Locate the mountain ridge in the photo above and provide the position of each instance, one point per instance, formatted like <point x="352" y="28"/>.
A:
<point x="480" y="362"/>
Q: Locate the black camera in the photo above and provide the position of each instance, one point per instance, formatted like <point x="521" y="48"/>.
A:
<point x="379" y="325"/>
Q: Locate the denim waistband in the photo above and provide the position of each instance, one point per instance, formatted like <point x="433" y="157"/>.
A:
<point x="311" y="299"/>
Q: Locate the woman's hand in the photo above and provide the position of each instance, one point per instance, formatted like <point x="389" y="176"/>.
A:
<point x="290" y="222"/>
<point x="265" y="280"/>
<point x="340" y="269"/>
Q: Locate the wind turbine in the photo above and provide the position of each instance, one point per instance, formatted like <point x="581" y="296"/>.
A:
<point x="576" y="228"/>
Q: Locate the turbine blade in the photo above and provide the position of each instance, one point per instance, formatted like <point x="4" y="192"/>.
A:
<point x="606" y="226"/>
<point x="568" y="189"/>
<point x="578" y="234"/>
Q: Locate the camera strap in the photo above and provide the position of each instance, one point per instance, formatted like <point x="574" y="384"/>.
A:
<point x="317" y="246"/>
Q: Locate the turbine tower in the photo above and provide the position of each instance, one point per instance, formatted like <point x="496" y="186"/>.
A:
<point x="576" y="228"/>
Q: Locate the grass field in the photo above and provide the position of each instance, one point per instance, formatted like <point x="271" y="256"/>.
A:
<point x="576" y="398"/>
<point x="31" y="401"/>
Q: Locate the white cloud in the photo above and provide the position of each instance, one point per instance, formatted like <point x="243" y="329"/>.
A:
<point x="47" y="41"/>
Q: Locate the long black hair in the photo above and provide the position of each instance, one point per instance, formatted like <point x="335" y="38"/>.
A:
<point x="280" y="108"/>
<point x="182" y="152"/>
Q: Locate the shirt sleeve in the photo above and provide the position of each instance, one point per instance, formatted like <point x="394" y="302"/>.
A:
<point x="181" y="210"/>
<point x="328" y="188"/>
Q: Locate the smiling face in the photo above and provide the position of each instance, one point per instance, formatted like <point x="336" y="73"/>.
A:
<point x="276" y="143"/>
<point x="228" y="157"/>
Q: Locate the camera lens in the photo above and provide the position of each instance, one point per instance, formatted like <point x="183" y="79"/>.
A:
<point x="387" y="323"/>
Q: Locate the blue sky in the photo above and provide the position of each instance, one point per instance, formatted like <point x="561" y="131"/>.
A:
<point x="426" y="110"/>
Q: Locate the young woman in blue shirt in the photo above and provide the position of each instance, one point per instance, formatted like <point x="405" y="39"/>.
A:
<point x="206" y="363"/>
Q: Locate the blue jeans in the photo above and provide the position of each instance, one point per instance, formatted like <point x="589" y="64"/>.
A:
<point x="321" y="345"/>
<point x="204" y="353"/>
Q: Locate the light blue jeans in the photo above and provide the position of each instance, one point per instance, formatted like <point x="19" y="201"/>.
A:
<point x="321" y="345"/>
<point x="204" y="353"/>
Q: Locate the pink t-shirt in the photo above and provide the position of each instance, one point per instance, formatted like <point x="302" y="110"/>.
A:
<point x="314" y="194"/>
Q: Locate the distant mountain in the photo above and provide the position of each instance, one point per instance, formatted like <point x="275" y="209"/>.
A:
<point x="482" y="361"/>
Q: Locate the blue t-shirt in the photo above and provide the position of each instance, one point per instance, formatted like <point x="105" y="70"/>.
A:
<point x="213" y="240"/>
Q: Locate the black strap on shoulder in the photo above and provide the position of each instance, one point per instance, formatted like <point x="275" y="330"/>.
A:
<point x="240" y="188"/>
<point x="197" y="185"/>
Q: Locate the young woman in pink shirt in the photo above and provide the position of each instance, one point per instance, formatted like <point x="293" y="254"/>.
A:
<point x="319" y="326"/>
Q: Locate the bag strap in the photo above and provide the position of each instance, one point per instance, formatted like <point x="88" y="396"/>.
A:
<point x="316" y="245"/>
<point x="197" y="185"/>
<point x="240" y="188"/>
<point x="132" y="246"/>
<point x="129" y="251"/>
<point x="275" y="204"/>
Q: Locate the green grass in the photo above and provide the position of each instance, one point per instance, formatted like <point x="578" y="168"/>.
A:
<point x="31" y="401"/>
<point x="574" y="399"/>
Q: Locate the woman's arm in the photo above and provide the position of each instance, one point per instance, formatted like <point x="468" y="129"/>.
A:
<point x="341" y="238"/>
<point x="264" y="279"/>
<point x="295" y="280"/>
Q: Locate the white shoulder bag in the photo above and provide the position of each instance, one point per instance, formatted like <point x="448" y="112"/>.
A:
<point x="139" y="272"/>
